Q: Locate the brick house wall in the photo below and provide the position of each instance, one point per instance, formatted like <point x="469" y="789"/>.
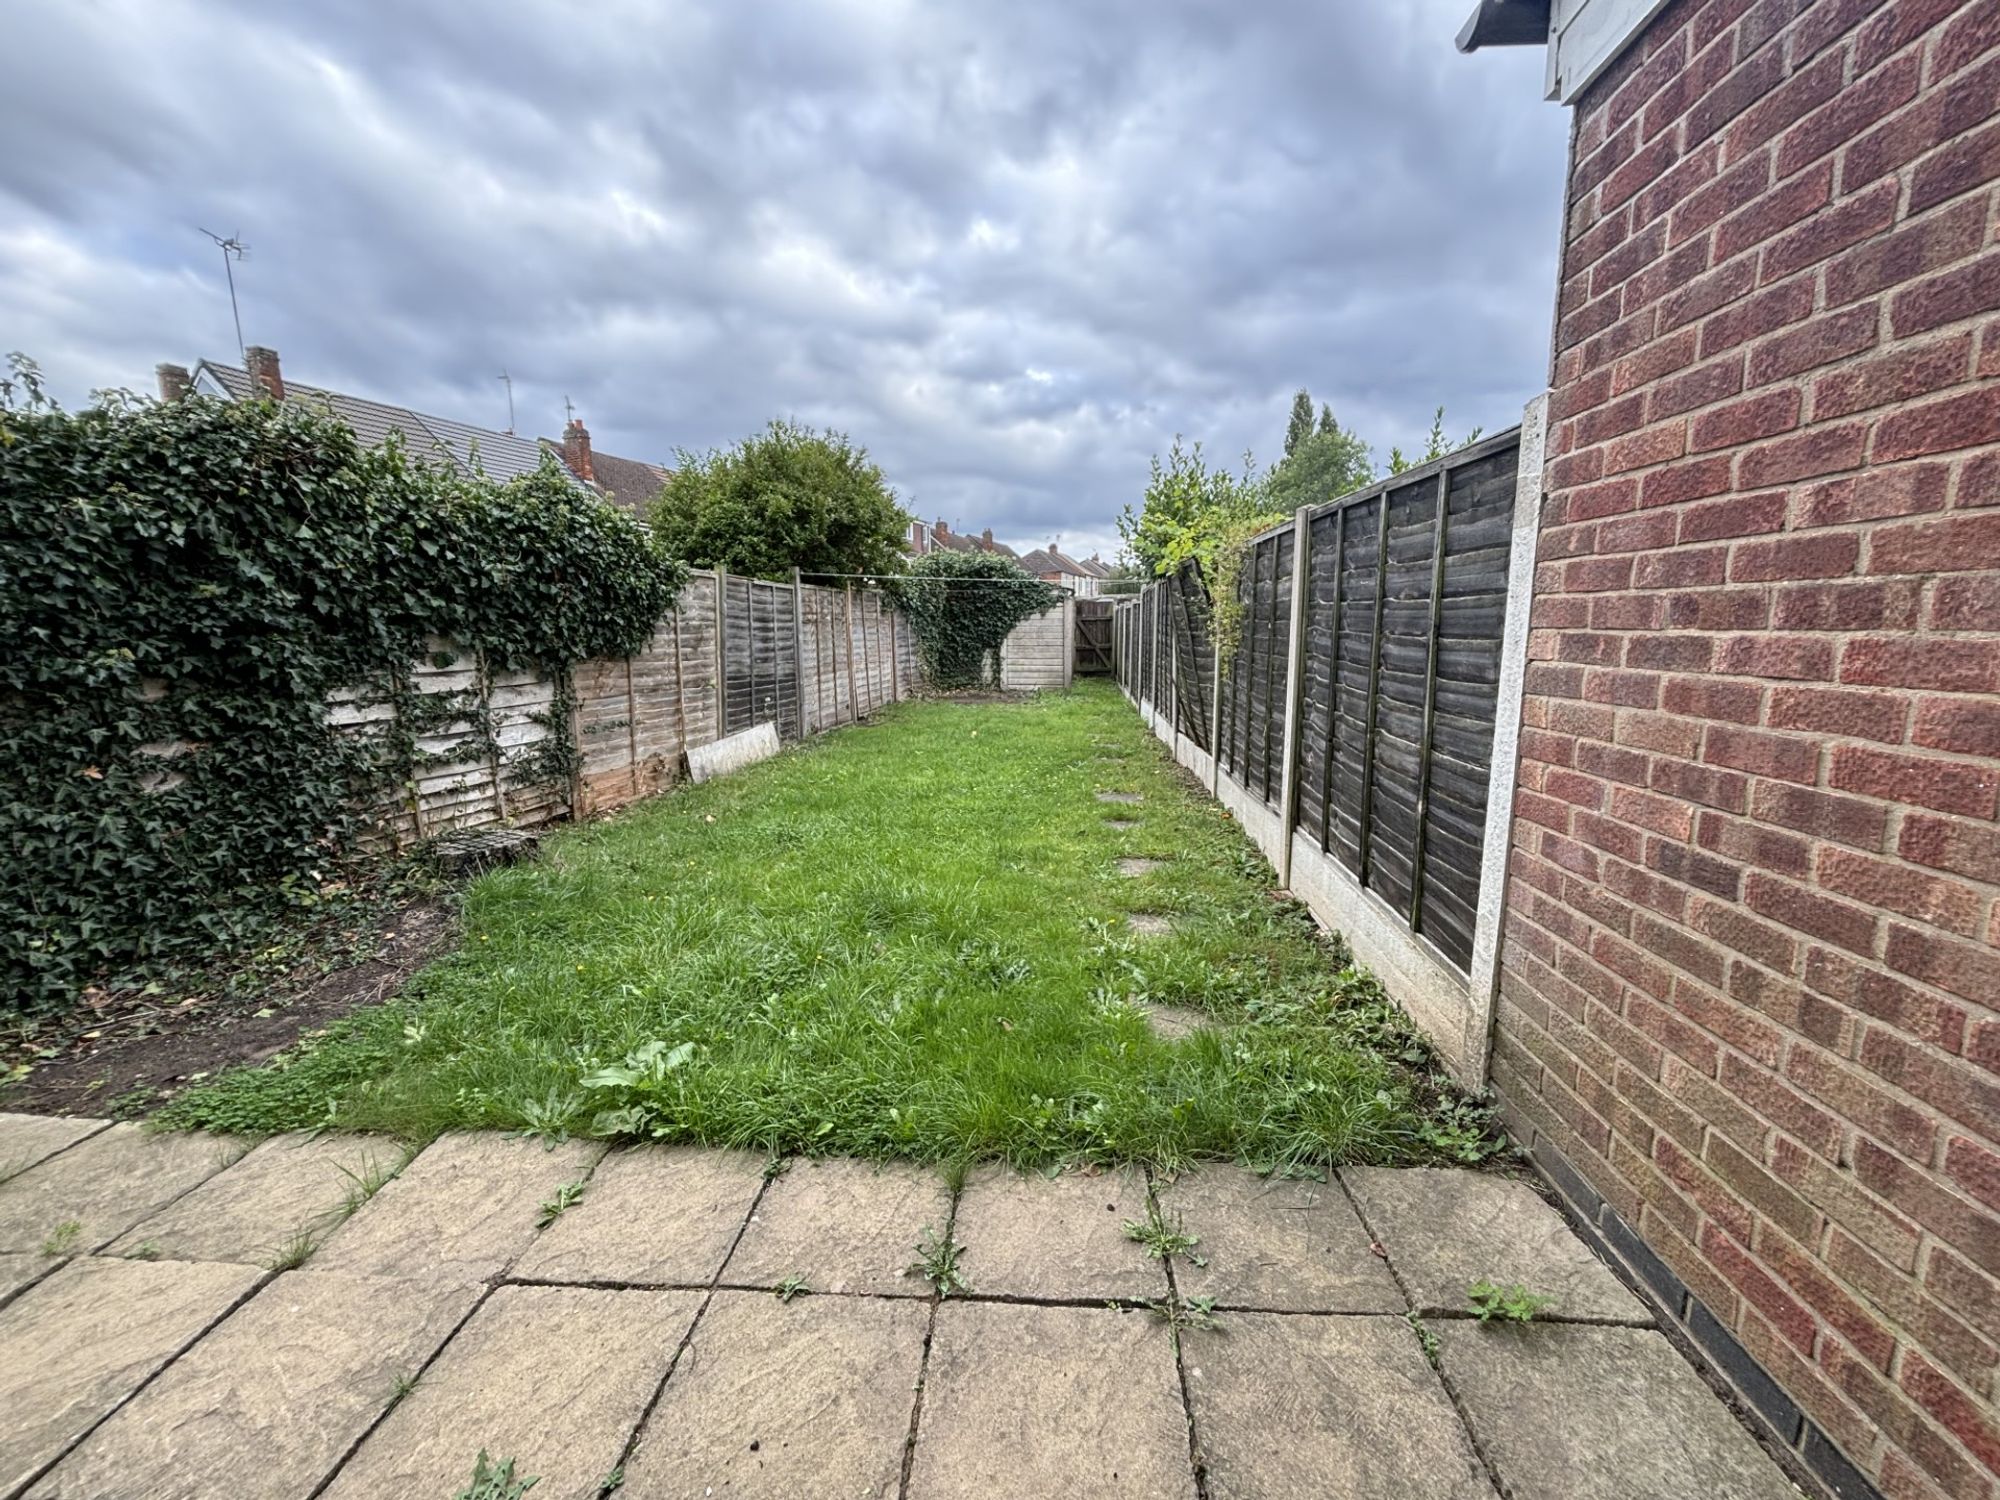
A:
<point x="1749" y="1016"/>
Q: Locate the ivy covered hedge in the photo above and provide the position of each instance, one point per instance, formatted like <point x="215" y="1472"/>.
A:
<point x="963" y="605"/>
<point x="182" y="586"/>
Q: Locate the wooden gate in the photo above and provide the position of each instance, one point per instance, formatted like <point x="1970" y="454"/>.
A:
<point x="1093" y="637"/>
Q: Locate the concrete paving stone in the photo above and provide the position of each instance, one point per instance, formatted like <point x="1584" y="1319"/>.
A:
<point x="1345" y="1408"/>
<point x="1076" y="1402"/>
<point x="1121" y="825"/>
<point x="553" y="1377"/>
<point x="288" y="1186"/>
<point x="1575" y="1412"/>
<point x="464" y="1209"/>
<point x="1133" y="868"/>
<point x="1445" y="1229"/>
<point x="267" y="1403"/>
<point x="1123" y="799"/>
<point x="106" y="1184"/>
<point x="75" y="1346"/>
<point x="652" y="1215"/>
<point x="1282" y="1244"/>
<point x="1029" y="1235"/>
<point x="1149" y="924"/>
<point x="792" y="1401"/>
<point x="1175" y="1021"/>
<point x="27" y="1139"/>
<point x="844" y="1225"/>
<point x="20" y="1269"/>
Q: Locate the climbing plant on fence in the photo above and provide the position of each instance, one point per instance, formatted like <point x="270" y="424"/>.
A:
<point x="962" y="606"/>
<point x="182" y="587"/>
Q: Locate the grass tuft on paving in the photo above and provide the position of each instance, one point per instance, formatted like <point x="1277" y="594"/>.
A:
<point x="906" y="939"/>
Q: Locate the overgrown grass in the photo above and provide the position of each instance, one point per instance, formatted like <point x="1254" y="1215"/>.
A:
<point x="905" y="939"/>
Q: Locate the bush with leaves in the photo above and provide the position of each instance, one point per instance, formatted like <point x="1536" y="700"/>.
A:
<point x="786" y="498"/>
<point x="963" y="605"/>
<point x="183" y="586"/>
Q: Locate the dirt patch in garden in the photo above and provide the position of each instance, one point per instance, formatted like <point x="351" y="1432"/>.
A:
<point x="126" y="1053"/>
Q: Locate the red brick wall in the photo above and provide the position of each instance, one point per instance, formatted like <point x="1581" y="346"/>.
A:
<point x="1752" y="959"/>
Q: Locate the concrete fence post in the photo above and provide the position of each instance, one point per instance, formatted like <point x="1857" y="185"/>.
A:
<point x="1295" y="672"/>
<point x="1214" y="707"/>
<point x="721" y="651"/>
<point x="799" y="651"/>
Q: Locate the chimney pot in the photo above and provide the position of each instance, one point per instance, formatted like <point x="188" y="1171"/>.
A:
<point x="175" y="382"/>
<point x="987" y="537"/>
<point x="262" y="364"/>
<point x="939" y="529"/>
<point x="576" y="450"/>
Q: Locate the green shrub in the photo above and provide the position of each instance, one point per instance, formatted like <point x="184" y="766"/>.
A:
<point x="962" y="606"/>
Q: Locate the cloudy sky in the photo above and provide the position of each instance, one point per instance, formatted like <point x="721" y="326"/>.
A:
<point x="1011" y="248"/>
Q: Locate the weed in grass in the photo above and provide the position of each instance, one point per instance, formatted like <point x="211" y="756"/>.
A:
<point x="554" y="1208"/>
<point x="291" y="1253"/>
<point x="886" y="945"/>
<point x="365" y="1184"/>
<point x="1505" y="1304"/>
<point x="63" y="1239"/>
<point x="937" y="1262"/>
<point x="792" y="1286"/>
<point x="491" y="1481"/>
<point x="1426" y="1340"/>
<point x="1163" y="1240"/>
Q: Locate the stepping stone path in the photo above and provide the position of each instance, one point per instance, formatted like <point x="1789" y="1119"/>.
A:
<point x="1175" y="1021"/>
<point x="1120" y="825"/>
<point x="638" y="1331"/>
<point x="1132" y="869"/>
<point x="1149" y="923"/>
<point x="1123" y="798"/>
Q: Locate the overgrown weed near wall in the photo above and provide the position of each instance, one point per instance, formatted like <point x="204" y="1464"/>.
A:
<point x="182" y="587"/>
<point x="963" y="606"/>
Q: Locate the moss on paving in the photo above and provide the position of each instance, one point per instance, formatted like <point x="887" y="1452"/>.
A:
<point x="909" y="939"/>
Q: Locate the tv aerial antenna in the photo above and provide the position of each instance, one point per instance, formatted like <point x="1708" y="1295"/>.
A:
<point x="233" y="249"/>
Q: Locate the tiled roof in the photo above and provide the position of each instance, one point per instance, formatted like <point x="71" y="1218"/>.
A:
<point x="628" y="483"/>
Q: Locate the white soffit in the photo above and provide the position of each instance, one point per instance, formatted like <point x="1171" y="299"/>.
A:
<point x="1587" y="36"/>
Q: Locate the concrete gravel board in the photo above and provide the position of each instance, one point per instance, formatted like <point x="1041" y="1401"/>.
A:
<point x="27" y="1139"/>
<point x="1577" y="1412"/>
<point x="1345" y="1408"/>
<point x="287" y="1186"/>
<point x="75" y="1346"/>
<point x="793" y="1401"/>
<point x="1029" y="1235"/>
<point x="108" y="1183"/>
<point x="464" y="1209"/>
<point x="266" y="1404"/>
<point x="1446" y="1229"/>
<point x="553" y="1377"/>
<point x="1282" y="1244"/>
<point x="844" y="1225"/>
<point x="653" y="1215"/>
<point x="1076" y="1402"/>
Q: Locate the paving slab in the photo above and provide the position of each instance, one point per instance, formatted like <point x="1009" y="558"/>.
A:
<point x="1175" y="1021"/>
<point x="844" y="1225"/>
<point x="1078" y="1402"/>
<point x="652" y="1215"/>
<point x="1121" y="825"/>
<point x="464" y="1209"/>
<point x="553" y="1377"/>
<point x="1554" y="1409"/>
<point x="19" y="1269"/>
<point x="1123" y="799"/>
<point x="75" y="1346"/>
<point x="106" y="1184"/>
<point x="797" y="1400"/>
<point x="1280" y="1244"/>
<point x="1345" y="1408"/>
<point x="288" y="1186"/>
<point x="1445" y="1229"/>
<point x="1133" y="868"/>
<point x="27" y="1139"/>
<point x="1030" y="1235"/>
<point x="264" y="1406"/>
<point x="1149" y="924"/>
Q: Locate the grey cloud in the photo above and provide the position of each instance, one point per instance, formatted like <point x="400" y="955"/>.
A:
<point x="1012" y="249"/>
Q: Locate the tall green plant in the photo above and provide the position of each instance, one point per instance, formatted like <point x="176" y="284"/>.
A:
<point x="963" y="606"/>
<point x="1191" y="511"/>
<point x="183" y="587"/>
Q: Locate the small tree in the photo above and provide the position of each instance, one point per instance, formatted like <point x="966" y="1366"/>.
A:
<point x="1436" y="445"/>
<point x="963" y="605"/>
<point x="1301" y="425"/>
<point x="1329" y="463"/>
<point x="789" y="497"/>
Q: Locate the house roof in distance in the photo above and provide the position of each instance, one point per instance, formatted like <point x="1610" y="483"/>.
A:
<point x="628" y="483"/>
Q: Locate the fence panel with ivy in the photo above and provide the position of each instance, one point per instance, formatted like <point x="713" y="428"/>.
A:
<point x="1388" y="700"/>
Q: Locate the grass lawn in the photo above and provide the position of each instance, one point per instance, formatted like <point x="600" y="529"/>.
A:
<point x="908" y="938"/>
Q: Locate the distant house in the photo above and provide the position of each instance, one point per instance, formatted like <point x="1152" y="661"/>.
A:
<point x="1081" y="577"/>
<point x="626" y="482"/>
<point x="938" y="537"/>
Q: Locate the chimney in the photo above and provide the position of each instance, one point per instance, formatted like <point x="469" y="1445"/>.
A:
<point x="939" y="529"/>
<point x="986" y="536"/>
<point x="576" y="450"/>
<point x="263" y="366"/>
<point x="175" y="382"/>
